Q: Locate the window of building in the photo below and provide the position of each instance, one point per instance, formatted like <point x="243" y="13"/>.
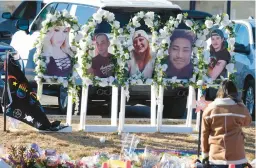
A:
<point x="237" y="13"/>
<point x="212" y="7"/>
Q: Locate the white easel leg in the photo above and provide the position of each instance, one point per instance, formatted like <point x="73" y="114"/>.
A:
<point x="122" y="110"/>
<point x="199" y="95"/>
<point x="190" y="106"/>
<point x="114" y="106"/>
<point x="69" y="110"/>
<point x="153" y="105"/>
<point x="39" y="90"/>
<point x="160" y="108"/>
<point x="83" y="110"/>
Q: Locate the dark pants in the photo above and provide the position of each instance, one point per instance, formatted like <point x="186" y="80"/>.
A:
<point x="225" y="166"/>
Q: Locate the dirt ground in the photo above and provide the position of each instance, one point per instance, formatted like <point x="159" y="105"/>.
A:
<point x="79" y="144"/>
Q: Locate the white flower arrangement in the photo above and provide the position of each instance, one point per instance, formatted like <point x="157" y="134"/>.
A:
<point x="162" y="50"/>
<point x="52" y="20"/>
<point x="202" y="51"/>
<point x="86" y="46"/>
<point x="152" y="22"/>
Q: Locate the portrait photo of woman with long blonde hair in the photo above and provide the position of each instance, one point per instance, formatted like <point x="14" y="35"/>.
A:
<point x="57" y="51"/>
<point x="142" y="60"/>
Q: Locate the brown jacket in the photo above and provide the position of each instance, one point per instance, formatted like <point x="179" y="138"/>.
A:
<point x="222" y="136"/>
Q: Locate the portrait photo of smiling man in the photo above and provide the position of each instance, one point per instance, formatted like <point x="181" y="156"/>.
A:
<point x="180" y="50"/>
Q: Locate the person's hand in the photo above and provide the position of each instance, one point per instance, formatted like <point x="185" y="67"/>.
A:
<point x="91" y="71"/>
<point x="205" y="162"/>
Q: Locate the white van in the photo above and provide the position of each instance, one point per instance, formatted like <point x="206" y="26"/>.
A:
<point x="124" y="10"/>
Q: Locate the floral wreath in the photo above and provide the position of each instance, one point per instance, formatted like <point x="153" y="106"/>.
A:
<point x="152" y="22"/>
<point x="52" y="20"/>
<point x="162" y="51"/>
<point x="86" y="47"/>
<point x="201" y="50"/>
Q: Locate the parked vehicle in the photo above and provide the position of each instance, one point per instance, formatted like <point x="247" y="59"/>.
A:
<point x="245" y="61"/>
<point x="26" y="10"/>
<point x="3" y="49"/>
<point x="123" y="11"/>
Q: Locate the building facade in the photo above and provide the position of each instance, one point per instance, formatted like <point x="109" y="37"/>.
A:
<point x="236" y="9"/>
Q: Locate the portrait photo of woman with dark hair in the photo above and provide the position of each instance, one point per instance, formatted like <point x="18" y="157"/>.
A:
<point x="220" y="56"/>
<point x="142" y="60"/>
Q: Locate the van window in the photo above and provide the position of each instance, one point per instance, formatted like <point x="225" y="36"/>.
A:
<point x="83" y="13"/>
<point x="26" y="10"/>
<point x="242" y="36"/>
<point x="123" y="15"/>
<point x="51" y="8"/>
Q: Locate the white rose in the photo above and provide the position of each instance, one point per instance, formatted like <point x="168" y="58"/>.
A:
<point x="120" y="30"/>
<point x="76" y="66"/>
<point x="208" y="24"/>
<point x="193" y="79"/>
<point x="111" y="79"/>
<point x="150" y="15"/>
<point x="60" y="80"/>
<point x="65" y="83"/>
<point x="116" y="24"/>
<point x="78" y="37"/>
<point x="173" y="80"/>
<point x="199" y="43"/>
<point x="160" y="53"/>
<point x="92" y="24"/>
<point x="149" y="23"/>
<point x="179" y="16"/>
<point x="195" y="50"/>
<point x="231" y="41"/>
<point x="196" y="70"/>
<point x="164" y="67"/>
<point x="127" y="56"/>
<point x="130" y="48"/>
<point x="176" y="24"/>
<point x="37" y="79"/>
<point x="164" y="41"/>
<point x="195" y="60"/>
<point x="40" y="74"/>
<point x="97" y="16"/>
<point x="207" y="58"/>
<point x="218" y="19"/>
<point x="224" y="23"/>
<point x="189" y="23"/>
<point x="103" y="83"/>
<point x="88" y="66"/>
<point x="139" y="82"/>
<point x="226" y="17"/>
<point x="227" y="31"/>
<point x="133" y="82"/>
<point x="163" y="33"/>
<point x="206" y="32"/>
<point x="85" y="28"/>
<point x="65" y="13"/>
<point x="149" y="81"/>
<point x="200" y="82"/>
<point x="140" y="14"/>
<point x="230" y="67"/>
<point x="110" y="17"/>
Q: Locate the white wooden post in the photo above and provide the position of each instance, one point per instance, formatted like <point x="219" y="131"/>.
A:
<point x="69" y="110"/>
<point x="39" y="90"/>
<point x="160" y="107"/>
<point x="83" y="110"/>
<point x="190" y="101"/>
<point x="114" y="106"/>
<point x="153" y="105"/>
<point x="199" y="95"/>
<point x="122" y="110"/>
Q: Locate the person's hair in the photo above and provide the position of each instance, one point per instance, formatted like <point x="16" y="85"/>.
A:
<point x="148" y="53"/>
<point x="228" y="89"/>
<point x="189" y="35"/>
<point x="101" y="34"/>
<point x="47" y="46"/>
